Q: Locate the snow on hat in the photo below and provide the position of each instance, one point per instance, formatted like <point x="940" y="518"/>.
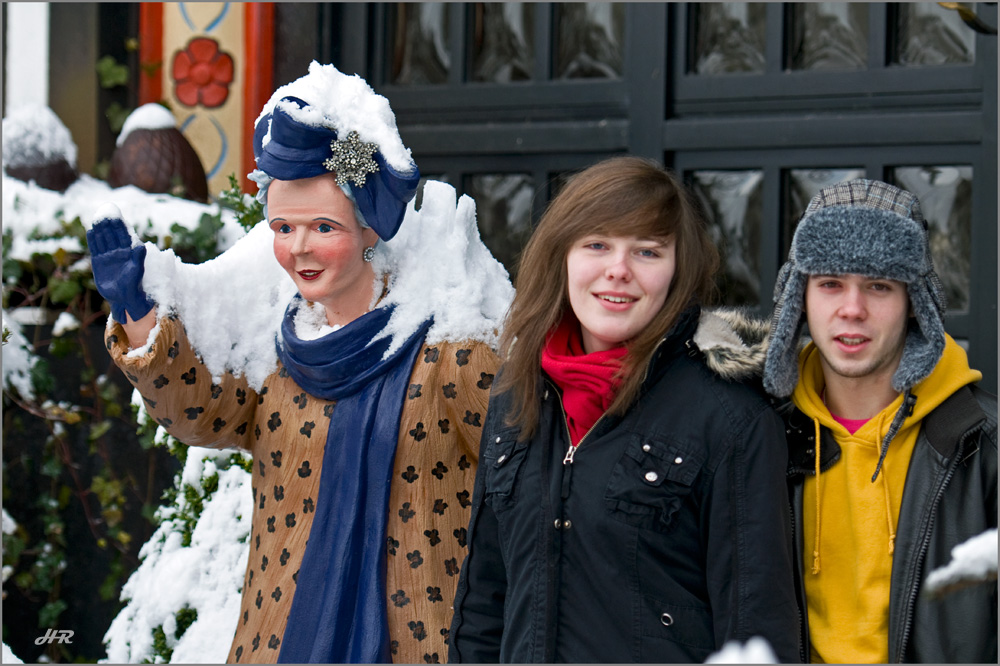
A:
<point x="870" y="228"/>
<point x="327" y="121"/>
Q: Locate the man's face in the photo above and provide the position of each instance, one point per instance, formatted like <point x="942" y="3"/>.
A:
<point x="857" y="323"/>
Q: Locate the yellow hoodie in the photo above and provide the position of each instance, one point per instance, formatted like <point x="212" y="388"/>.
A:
<point x="849" y="523"/>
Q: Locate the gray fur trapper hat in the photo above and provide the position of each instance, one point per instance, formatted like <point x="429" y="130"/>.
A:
<point x="869" y="228"/>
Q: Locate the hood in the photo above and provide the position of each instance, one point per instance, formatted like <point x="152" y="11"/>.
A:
<point x="734" y="342"/>
<point x="951" y="373"/>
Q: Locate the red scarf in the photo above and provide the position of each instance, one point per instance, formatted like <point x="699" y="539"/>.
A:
<point x="587" y="380"/>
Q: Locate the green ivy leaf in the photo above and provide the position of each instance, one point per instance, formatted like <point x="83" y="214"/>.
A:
<point x="63" y="291"/>
<point x="111" y="73"/>
<point x="116" y="115"/>
<point x="98" y="430"/>
<point x="48" y="616"/>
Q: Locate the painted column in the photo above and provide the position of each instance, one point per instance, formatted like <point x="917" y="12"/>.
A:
<point x="212" y="63"/>
<point x="26" y="70"/>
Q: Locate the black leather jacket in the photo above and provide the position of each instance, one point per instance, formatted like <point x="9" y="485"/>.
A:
<point x="950" y="496"/>
<point x="664" y="537"/>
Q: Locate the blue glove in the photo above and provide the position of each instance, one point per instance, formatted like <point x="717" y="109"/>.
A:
<point x="118" y="265"/>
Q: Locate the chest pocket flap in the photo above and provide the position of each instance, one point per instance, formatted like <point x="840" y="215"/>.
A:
<point x="503" y="457"/>
<point x="651" y="480"/>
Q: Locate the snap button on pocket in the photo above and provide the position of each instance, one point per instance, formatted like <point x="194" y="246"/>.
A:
<point x="501" y="458"/>
<point x="646" y="447"/>
<point x="666" y="619"/>
<point x="652" y="477"/>
<point x="678" y="460"/>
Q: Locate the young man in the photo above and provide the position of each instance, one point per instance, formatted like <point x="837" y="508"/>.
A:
<point x="893" y="448"/>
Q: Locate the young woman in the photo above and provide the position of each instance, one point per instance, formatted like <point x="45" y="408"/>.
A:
<point x="630" y="502"/>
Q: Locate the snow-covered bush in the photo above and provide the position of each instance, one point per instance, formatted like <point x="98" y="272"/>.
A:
<point x="65" y="416"/>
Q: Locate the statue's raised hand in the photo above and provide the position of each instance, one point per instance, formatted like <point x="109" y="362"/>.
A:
<point x="117" y="258"/>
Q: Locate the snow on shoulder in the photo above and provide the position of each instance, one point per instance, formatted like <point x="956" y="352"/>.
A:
<point x="147" y="116"/>
<point x="350" y="104"/>
<point x="438" y="266"/>
<point x="33" y="135"/>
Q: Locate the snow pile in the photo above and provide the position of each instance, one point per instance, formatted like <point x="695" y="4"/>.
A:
<point x="232" y="306"/>
<point x="973" y="561"/>
<point x="441" y="267"/>
<point x="64" y="324"/>
<point x="148" y="116"/>
<point x="206" y="576"/>
<point x="29" y="210"/>
<point x="346" y="102"/>
<point x="18" y="360"/>
<point x="9" y="657"/>
<point x="755" y="651"/>
<point x="33" y="135"/>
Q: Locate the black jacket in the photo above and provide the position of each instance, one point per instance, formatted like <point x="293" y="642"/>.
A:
<point x="665" y="537"/>
<point x="950" y="496"/>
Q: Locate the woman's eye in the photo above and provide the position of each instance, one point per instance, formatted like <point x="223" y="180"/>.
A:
<point x="595" y="246"/>
<point x="324" y="228"/>
<point x="648" y="253"/>
<point x="285" y="229"/>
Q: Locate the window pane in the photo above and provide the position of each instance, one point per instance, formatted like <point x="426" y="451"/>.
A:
<point x="503" y="210"/>
<point x="732" y="203"/>
<point x="730" y="37"/>
<point x="945" y="194"/>
<point x="420" y="49"/>
<point x="503" y="47"/>
<point x="929" y="34"/>
<point x="803" y="185"/>
<point x="589" y="39"/>
<point x="830" y="35"/>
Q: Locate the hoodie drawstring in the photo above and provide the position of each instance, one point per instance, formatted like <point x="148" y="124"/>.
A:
<point x="815" y="566"/>
<point x="904" y="410"/>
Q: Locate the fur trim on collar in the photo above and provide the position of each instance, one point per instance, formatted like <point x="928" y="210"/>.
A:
<point x="734" y="342"/>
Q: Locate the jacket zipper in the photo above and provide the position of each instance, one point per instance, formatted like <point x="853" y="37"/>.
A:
<point x="924" y="545"/>
<point x="571" y="451"/>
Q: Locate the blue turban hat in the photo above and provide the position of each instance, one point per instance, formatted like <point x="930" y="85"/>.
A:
<point x="300" y="150"/>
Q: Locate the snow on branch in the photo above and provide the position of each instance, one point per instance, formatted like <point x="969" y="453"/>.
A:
<point x="974" y="561"/>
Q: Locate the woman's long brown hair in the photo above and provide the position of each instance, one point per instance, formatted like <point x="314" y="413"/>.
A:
<point x="621" y="196"/>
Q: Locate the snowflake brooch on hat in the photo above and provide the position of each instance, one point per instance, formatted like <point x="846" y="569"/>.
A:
<point x="352" y="159"/>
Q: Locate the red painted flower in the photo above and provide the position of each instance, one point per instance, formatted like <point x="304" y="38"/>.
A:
<point x="202" y="73"/>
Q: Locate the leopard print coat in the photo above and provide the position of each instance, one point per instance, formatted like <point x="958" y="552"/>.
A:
<point x="284" y="428"/>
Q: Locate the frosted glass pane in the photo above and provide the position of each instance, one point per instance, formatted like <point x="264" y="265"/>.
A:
<point x="589" y="40"/>
<point x="730" y="38"/>
<point x="420" y="47"/>
<point x="733" y="205"/>
<point x="503" y="47"/>
<point x="929" y="34"/>
<point x="829" y="35"/>
<point x="503" y="210"/>
<point x="945" y="194"/>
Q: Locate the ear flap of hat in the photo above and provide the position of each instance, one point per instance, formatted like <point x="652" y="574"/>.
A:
<point x="925" y="338"/>
<point x="781" y="367"/>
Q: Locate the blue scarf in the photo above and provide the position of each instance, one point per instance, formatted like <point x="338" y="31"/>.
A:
<point x="338" y="613"/>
